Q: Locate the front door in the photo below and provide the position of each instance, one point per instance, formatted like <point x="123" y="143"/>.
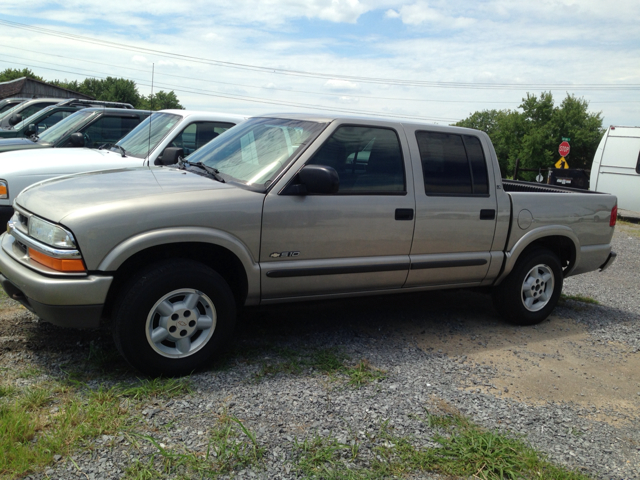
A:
<point x="357" y="239"/>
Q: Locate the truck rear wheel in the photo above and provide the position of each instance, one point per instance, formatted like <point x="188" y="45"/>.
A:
<point x="172" y="317"/>
<point x="532" y="289"/>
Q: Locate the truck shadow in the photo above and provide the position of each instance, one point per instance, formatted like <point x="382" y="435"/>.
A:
<point x="451" y="322"/>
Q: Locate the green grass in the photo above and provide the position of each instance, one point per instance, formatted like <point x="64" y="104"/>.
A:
<point x="30" y="372"/>
<point x="231" y="447"/>
<point x="464" y="451"/>
<point x="579" y="298"/>
<point x="54" y="418"/>
<point x="329" y="361"/>
<point x="32" y="431"/>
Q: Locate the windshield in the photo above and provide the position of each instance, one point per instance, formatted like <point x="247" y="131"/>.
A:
<point x="7" y="113"/>
<point x="255" y="151"/>
<point x="66" y="127"/>
<point x="33" y="118"/>
<point x="7" y="106"/>
<point x="142" y="139"/>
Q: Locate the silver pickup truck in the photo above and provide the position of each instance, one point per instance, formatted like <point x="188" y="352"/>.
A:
<point x="287" y="208"/>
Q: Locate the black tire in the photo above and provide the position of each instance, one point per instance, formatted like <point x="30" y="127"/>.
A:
<point x="194" y="297"/>
<point x="531" y="291"/>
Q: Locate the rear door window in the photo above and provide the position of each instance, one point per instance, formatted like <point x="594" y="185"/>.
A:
<point x="452" y="164"/>
<point x="108" y="129"/>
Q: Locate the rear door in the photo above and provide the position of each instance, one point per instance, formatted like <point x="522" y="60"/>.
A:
<point x="455" y="208"/>
<point x="357" y="239"/>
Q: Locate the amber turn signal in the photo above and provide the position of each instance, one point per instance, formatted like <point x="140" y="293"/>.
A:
<point x="59" y="264"/>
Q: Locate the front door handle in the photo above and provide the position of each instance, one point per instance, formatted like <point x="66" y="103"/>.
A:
<point x="488" y="214"/>
<point x="404" y="213"/>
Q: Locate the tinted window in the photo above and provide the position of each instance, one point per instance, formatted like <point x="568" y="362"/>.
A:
<point x="452" y="164"/>
<point x="367" y="159"/>
<point x="638" y="164"/>
<point x="108" y="130"/>
<point x="198" y="134"/>
<point x="51" y="120"/>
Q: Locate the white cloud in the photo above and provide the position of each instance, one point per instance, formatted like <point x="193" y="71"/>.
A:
<point x="348" y="100"/>
<point x="391" y="13"/>
<point x="139" y="59"/>
<point x="341" y="85"/>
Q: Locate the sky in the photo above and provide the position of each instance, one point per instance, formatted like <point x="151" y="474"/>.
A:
<point x="436" y="61"/>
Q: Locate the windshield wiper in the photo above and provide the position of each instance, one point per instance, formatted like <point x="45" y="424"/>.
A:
<point x="112" y="145"/>
<point x="214" y="172"/>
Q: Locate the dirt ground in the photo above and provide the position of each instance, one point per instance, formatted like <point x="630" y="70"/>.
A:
<point x="554" y="361"/>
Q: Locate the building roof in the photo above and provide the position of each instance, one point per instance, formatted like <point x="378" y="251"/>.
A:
<point x="30" y="87"/>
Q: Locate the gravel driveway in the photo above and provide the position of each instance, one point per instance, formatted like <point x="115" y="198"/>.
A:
<point x="571" y="385"/>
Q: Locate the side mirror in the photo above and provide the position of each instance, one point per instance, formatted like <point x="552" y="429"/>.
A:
<point x="15" y="119"/>
<point x="319" y="179"/>
<point x="31" y="130"/>
<point x="77" y="139"/>
<point x="170" y="156"/>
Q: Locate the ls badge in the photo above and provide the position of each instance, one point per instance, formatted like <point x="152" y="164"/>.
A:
<point x="284" y="254"/>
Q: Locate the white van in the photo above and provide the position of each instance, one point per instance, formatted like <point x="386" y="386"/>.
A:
<point x="616" y="166"/>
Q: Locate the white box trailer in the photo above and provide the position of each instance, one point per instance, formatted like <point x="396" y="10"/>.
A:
<point x="616" y="166"/>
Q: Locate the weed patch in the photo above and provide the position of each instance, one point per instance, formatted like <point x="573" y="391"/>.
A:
<point x="578" y="298"/>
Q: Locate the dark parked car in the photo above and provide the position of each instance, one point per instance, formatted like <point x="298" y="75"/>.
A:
<point x="25" y="109"/>
<point x="49" y="116"/>
<point x="89" y="127"/>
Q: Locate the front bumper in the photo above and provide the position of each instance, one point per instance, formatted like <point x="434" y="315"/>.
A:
<point x="67" y="301"/>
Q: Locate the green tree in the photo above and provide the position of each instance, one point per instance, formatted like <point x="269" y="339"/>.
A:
<point x="534" y="133"/>
<point x="160" y="101"/>
<point x="13" y="73"/>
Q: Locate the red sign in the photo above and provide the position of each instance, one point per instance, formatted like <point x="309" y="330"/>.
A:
<point x="564" y="149"/>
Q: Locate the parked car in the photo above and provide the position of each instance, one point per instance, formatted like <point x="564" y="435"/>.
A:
<point x="103" y="128"/>
<point x="49" y="116"/>
<point x="25" y="109"/>
<point x="289" y="208"/>
<point x="93" y="127"/>
<point x="616" y="166"/>
<point x="7" y="103"/>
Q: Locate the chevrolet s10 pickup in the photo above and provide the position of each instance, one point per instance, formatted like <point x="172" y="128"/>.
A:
<point x="287" y="208"/>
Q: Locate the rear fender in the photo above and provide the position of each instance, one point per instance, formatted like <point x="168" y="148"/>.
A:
<point x="511" y="257"/>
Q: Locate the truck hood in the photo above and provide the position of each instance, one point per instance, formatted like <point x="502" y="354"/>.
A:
<point x="57" y="198"/>
<point x="51" y="161"/>
<point x="23" y="143"/>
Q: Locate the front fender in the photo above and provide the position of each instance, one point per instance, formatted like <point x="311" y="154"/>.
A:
<point x="121" y="252"/>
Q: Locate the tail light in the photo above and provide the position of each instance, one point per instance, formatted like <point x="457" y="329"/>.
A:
<point x="614" y="216"/>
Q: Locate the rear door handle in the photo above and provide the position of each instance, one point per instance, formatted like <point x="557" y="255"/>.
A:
<point x="488" y="214"/>
<point x="404" y="213"/>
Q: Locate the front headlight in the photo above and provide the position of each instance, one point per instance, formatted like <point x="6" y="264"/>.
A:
<point x="50" y="234"/>
<point x="4" y="189"/>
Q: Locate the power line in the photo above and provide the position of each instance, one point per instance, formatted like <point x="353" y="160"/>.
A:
<point x="374" y="97"/>
<point x="260" y="100"/>
<point x="281" y="71"/>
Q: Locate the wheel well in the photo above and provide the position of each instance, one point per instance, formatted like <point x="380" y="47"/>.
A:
<point x="223" y="261"/>
<point x="563" y="247"/>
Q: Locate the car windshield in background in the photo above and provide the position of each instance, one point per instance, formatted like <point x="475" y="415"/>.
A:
<point x="254" y="152"/>
<point x="33" y="118"/>
<point x="7" y="113"/>
<point x="65" y="127"/>
<point x="144" y="138"/>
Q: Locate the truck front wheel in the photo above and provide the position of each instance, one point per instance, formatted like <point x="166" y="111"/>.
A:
<point x="172" y="317"/>
<point x="532" y="289"/>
